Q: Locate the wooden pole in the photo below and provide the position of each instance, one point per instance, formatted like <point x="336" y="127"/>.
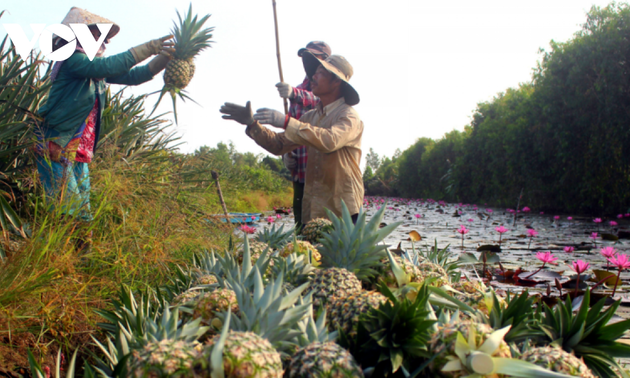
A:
<point x="275" y="21"/>
<point x="215" y="176"/>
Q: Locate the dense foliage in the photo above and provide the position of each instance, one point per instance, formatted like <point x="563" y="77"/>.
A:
<point x="563" y="138"/>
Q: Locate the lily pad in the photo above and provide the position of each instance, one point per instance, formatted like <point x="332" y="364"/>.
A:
<point x="414" y="235"/>
<point x="489" y="248"/>
<point x="609" y="237"/>
<point x="602" y="274"/>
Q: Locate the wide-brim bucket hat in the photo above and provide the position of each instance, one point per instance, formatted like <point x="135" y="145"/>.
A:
<point x="338" y="66"/>
<point x="81" y="16"/>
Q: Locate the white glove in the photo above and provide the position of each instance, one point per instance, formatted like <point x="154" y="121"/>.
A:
<point x="285" y="90"/>
<point x="270" y="117"/>
<point x="290" y="161"/>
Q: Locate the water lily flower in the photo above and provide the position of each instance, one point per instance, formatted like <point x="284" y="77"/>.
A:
<point x="462" y="230"/>
<point x="578" y="267"/>
<point x="569" y="249"/>
<point x="247" y="229"/>
<point x="594" y="236"/>
<point x="621" y="262"/>
<point x="619" y="216"/>
<point x="597" y="220"/>
<point x="489" y="211"/>
<point x="545" y="257"/>
<point x="556" y="217"/>
<point x="526" y="209"/>
<point x="569" y="218"/>
<point x="278" y="216"/>
<point x="542" y="213"/>
<point x="501" y="230"/>
<point x="471" y="220"/>
<point x="531" y="233"/>
<point x="270" y="219"/>
<point x="608" y="253"/>
<point x="612" y="223"/>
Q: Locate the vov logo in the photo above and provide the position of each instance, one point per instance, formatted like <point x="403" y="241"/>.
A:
<point x="80" y="32"/>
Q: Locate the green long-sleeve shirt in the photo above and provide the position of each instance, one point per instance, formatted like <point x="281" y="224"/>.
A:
<point x="74" y="91"/>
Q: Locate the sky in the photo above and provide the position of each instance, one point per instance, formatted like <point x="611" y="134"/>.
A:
<point x="420" y="66"/>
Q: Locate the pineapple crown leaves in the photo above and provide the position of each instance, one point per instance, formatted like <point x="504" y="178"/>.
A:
<point x="276" y="238"/>
<point x="478" y="359"/>
<point x="169" y="326"/>
<point x="189" y="38"/>
<point x="519" y="314"/>
<point x="268" y="313"/>
<point x="294" y="269"/>
<point x="434" y="255"/>
<point x="207" y="263"/>
<point x="216" y="356"/>
<point x="354" y="246"/>
<point x="116" y="354"/>
<point x="402" y="278"/>
<point x="37" y="371"/>
<point x="397" y="331"/>
<point x="588" y="333"/>
<point x="243" y="274"/>
<point x="130" y="313"/>
<point x="312" y="330"/>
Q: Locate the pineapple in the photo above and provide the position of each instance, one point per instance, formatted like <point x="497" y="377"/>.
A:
<point x="431" y="271"/>
<point x="208" y="305"/>
<point x="556" y="359"/>
<point x="206" y="279"/>
<point x="301" y="247"/>
<point x="350" y="253"/>
<point x="316" y="228"/>
<point x="323" y="359"/>
<point x="345" y="311"/>
<point x="245" y="354"/>
<point x="165" y="358"/>
<point x="330" y="282"/>
<point x="443" y="343"/>
<point x="186" y="297"/>
<point x="190" y="40"/>
<point x="256" y="248"/>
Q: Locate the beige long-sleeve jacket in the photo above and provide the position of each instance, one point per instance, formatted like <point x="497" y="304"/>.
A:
<point x="332" y="135"/>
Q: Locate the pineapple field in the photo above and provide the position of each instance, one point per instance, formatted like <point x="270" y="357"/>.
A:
<point x="413" y="288"/>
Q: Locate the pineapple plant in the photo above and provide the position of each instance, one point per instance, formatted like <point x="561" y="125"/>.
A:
<point x="165" y="358"/>
<point x="345" y="311"/>
<point x="556" y="359"/>
<point x="394" y="335"/>
<point x="316" y="228"/>
<point x="245" y="354"/>
<point x="304" y="248"/>
<point x="206" y="279"/>
<point x="350" y="253"/>
<point x="323" y="359"/>
<point x="275" y="237"/>
<point x="208" y="305"/>
<point x="190" y="39"/>
<point x="295" y="270"/>
<point x="187" y="296"/>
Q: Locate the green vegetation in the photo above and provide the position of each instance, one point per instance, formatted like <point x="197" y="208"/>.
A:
<point x="563" y="138"/>
<point x="152" y="209"/>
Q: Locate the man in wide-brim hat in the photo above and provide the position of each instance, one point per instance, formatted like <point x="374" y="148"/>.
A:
<point x="332" y="133"/>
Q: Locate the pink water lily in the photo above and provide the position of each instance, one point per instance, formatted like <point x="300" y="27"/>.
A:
<point x="501" y="230"/>
<point x="545" y="257"/>
<point x="556" y="217"/>
<point x="608" y="253"/>
<point x="594" y="236"/>
<point x="597" y="220"/>
<point x="569" y="249"/>
<point x="489" y="211"/>
<point x="569" y="218"/>
<point x="278" y="216"/>
<point x="247" y="229"/>
<point x="270" y="219"/>
<point x="526" y="209"/>
<point x="578" y="267"/>
<point x="532" y="233"/>
<point x="621" y="262"/>
<point x="612" y="223"/>
<point x="542" y="213"/>
<point x="462" y="230"/>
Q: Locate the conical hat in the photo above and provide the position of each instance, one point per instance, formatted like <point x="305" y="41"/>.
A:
<point x="338" y="66"/>
<point x="81" y="16"/>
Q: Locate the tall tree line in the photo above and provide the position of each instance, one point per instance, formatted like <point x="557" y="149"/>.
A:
<point x="564" y="138"/>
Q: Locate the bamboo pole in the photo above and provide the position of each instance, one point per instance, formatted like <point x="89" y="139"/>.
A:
<point x="215" y="176"/>
<point x="275" y="21"/>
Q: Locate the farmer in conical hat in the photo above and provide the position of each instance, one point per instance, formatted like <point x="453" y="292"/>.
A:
<point x="69" y="133"/>
<point x="331" y="132"/>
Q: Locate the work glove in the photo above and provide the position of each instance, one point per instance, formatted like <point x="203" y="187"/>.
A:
<point x="157" y="64"/>
<point x="240" y="114"/>
<point x="270" y="117"/>
<point x="290" y="161"/>
<point x="156" y="46"/>
<point x="285" y="90"/>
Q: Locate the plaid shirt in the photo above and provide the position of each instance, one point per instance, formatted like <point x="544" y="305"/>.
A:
<point x="303" y="100"/>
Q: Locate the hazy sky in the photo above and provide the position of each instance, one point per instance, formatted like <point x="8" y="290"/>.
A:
<point x="420" y="66"/>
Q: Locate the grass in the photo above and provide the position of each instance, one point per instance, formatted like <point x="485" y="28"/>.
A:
<point x="144" y="226"/>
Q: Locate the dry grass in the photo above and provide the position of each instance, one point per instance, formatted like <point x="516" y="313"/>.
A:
<point x="141" y="231"/>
